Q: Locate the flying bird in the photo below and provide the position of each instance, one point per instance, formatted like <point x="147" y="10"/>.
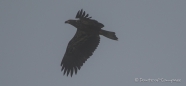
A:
<point x="84" y="42"/>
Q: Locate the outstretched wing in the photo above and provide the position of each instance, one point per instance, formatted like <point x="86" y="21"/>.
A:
<point x="79" y="49"/>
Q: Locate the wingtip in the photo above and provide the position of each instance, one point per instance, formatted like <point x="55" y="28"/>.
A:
<point x="82" y="14"/>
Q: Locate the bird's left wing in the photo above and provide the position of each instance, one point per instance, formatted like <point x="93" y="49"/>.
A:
<point x="79" y="49"/>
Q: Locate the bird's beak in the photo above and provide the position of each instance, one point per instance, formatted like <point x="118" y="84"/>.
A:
<point x="67" y="21"/>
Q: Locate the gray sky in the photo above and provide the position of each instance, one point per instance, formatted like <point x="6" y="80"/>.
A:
<point x="152" y="42"/>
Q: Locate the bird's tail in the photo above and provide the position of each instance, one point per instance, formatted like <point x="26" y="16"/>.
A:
<point x="108" y="34"/>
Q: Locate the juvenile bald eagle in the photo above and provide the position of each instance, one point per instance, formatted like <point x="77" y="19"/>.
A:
<point x="84" y="42"/>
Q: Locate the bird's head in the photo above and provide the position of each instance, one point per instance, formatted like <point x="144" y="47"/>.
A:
<point x="72" y="22"/>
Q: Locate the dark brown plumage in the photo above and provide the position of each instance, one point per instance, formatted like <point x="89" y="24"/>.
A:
<point x="84" y="42"/>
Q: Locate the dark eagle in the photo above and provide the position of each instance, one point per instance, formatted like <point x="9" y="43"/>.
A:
<point x="84" y="42"/>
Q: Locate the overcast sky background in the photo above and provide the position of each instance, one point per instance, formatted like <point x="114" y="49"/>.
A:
<point x="152" y="42"/>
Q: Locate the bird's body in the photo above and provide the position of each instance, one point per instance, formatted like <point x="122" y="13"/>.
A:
<point x="84" y="42"/>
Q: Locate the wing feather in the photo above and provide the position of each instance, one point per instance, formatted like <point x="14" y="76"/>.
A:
<point x="83" y="14"/>
<point x="86" y="16"/>
<point x="75" y="70"/>
<point x="77" y="15"/>
<point x="80" y="14"/>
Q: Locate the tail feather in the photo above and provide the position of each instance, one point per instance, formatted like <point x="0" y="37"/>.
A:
<point x="108" y="34"/>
